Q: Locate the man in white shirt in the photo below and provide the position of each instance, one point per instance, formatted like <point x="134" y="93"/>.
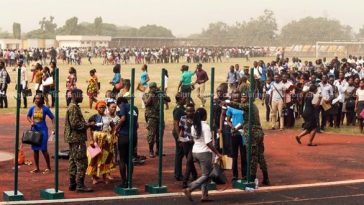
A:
<point x="257" y="75"/>
<point x="327" y="94"/>
<point x="277" y="101"/>
<point x="341" y="85"/>
<point x="288" y="92"/>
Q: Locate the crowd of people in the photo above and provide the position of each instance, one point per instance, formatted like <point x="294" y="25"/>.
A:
<point x="111" y="56"/>
<point x="324" y="93"/>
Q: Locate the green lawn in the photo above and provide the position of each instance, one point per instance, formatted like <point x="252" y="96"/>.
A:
<point x="105" y="74"/>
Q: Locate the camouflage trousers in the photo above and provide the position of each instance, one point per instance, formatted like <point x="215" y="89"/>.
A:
<point x="257" y="156"/>
<point x="77" y="160"/>
<point x="153" y="130"/>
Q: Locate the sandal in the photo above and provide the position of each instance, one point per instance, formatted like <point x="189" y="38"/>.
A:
<point x="34" y="171"/>
<point x="46" y="171"/>
<point x="298" y="140"/>
<point x="311" y="145"/>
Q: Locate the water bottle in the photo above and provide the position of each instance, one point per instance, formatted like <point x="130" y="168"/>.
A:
<point x="248" y="189"/>
<point x="256" y="182"/>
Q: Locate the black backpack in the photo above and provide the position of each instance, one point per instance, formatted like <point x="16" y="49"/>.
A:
<point x="8" y="80"/>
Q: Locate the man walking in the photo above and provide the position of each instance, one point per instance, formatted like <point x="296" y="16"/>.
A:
<point x="75" y="135"/>
<point x="200" y="82"/>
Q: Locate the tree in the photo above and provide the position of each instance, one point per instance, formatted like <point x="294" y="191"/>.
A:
<point x="261" y="30"/>
<point x="16" y="30"/>
<point x="309" y="30"/>
<point x="98" y="25"/>
<point x="70" y="27"/>
<point x="47" y="29"/>
<point x="4" y="34"/>
<point x="360" y="35"/>
<point x="154" y="31"/>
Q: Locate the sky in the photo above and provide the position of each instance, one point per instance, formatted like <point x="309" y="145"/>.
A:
<point x="183" y="17"/>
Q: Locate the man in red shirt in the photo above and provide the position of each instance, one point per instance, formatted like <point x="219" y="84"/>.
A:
<point x="200" y="83"/>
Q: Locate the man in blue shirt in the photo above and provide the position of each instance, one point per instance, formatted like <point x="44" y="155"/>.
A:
<point x="235" y="119"/>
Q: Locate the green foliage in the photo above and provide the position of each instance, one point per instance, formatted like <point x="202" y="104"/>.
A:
<point x="70" y="27"/>
<point x="16" y="30"/>
<point x="257" y="31"/>
<point x="309" y="30"/>
<point x="360" y="35"/>
<point x="4" y="34"/>
<point x="98" y="25"/>
<point x="154" y="31"/>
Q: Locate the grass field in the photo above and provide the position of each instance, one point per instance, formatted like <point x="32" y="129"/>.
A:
<point x="105" y="74"/>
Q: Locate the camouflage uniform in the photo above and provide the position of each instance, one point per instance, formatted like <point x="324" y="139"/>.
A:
<point x="75" y="136"/>
<point x="257" y="141"/>
<point x="152" y="119"/>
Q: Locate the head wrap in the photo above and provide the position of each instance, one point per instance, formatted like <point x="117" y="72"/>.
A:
<point x="100" y="103"/>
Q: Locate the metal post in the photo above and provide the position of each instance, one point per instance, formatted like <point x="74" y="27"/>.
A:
<point x="161" y="125"/>
<point x="17" y="132"/>
<point x="212" y="185"/>
<point x="212" y="88"/>
<point x="16" y="195"/>
<point x="55" y="193"/>
<point x="159" y="188"/>
<point x="251" y="98"/>
<point x="56" y="130"/>
<point x="131" y="130"/>
<point x="130" y="190"/>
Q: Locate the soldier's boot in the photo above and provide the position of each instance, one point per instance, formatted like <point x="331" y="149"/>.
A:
<point x="151" y="150"/>
<point x="252" y="178"/>
<point x="81" y="186"/>
<point x="73" y="184"/>
<point x="266" y="181"/>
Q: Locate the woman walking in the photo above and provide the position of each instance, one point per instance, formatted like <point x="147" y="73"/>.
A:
<point x="202" y="153"/>
<point x="93" y="87"/>
<point x="310" y="122"/>
<point x="37" y="119"/>
<point x="70" y="84"/>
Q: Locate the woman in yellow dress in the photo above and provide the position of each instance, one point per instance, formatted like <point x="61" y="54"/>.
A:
<point x="93" y="87"/>
<point x="103" y="134"/>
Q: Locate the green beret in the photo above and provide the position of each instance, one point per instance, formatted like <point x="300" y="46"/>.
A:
<point x="152" y="84"/>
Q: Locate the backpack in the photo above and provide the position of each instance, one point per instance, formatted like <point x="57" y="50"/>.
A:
<point x="8" y="80"/>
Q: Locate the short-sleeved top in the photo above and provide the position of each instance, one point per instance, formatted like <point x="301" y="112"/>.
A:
<point x="125" y="111"/>
<point x="178" y="112"/>
<point x="201" y="75"/>
<point x="236" y="115"/>
<point x="186" y="78"/>
<point x="360" y="94"/>
<point x="143" y="78"/>
<point x="186" y="128"/>
<point x="201" y="142"/>
<point x="277" y="91"/>
<point x="103" y="122"/>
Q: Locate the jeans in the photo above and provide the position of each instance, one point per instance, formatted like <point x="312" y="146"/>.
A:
<point x="190" y="166"/>
<point x="205" y="161"/>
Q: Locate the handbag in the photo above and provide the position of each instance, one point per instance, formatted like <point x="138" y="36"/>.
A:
<point x="217" y="174"/>
<point x="119" y="85"/>
<point x="94" y="151"/>
<point x="362" y="114"/>
<point x="48" y="81"/>
<point x="32" y="138"/>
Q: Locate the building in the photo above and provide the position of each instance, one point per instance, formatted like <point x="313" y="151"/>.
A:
<point x="39" y="43"/>
<point x="10" y="43"/>
<point x="83" y="41"/>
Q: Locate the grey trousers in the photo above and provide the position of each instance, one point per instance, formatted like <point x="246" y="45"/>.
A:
<point x="205" y="161"/>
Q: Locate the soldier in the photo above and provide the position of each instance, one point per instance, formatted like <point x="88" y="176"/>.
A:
<point x="151" y="102"/>
<point x="257" y="140"/>
<point x="75" y="136"/>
